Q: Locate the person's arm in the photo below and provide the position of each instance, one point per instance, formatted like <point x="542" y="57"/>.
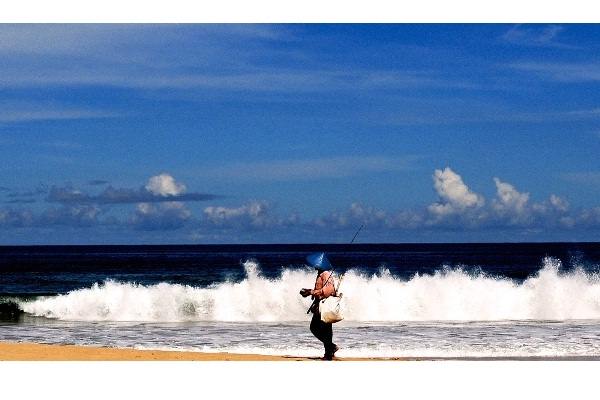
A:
<point x="320" y="288"/>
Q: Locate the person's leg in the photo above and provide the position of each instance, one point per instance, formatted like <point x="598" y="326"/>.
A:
<point x="319" y="329"/>
<point x="330" y="347"/>
<point x="315" y="326"/>
<point x="323" y="332"/>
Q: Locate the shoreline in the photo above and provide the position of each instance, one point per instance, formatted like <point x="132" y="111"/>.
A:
<point x="27" y="351"/>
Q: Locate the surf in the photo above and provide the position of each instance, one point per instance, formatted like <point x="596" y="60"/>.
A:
<point x="449" y="294"/>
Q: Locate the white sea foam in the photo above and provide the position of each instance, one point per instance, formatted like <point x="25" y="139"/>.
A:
<point x="447" y="295"/>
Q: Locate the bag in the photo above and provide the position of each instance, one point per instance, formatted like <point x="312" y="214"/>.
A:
<point x="331" y="310"/>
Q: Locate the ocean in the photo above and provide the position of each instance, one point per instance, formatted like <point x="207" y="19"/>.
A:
<point x="525" y="300"/>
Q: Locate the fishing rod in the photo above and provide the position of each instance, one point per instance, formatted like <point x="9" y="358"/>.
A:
<point x="356" y="234"/>
<point x="316" y="300"/>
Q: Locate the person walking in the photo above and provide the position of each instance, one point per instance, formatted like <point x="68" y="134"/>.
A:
<point x="324" y="287"/>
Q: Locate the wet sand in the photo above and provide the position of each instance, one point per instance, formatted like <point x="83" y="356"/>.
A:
<point x="44" y="352"/>
<point x="11" y="351"/>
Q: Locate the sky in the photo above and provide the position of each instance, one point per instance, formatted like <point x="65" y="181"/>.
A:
<point x="160" y="134"/>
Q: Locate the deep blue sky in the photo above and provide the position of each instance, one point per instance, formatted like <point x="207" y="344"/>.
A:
<point x="299" y="133"/>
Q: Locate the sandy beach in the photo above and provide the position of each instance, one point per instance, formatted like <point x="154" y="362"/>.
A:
<point x="12" y="351"/>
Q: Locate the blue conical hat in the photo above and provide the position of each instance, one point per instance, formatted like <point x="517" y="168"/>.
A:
<point x="318" y="260"/>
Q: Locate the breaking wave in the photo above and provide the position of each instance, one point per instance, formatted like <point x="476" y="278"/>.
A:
<point x="447" y="295"/>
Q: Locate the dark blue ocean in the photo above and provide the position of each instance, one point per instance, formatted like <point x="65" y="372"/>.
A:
<point x="413" y="300"/>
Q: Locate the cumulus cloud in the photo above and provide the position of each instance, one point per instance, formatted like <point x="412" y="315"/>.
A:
<point x="510" y="202"/>
<point x="250" y="216"/>
<point x="164" y="216"/>
<point x="455" y="195"/>
<point x="16" y="218"/>
<point x="359" y="214"/>
<point x="164" y="185"/>
<point x="559" y="203"/>
<point x="167" y="215"/>
<point x="458" y="208"/>
<point x="159" y="206"/>
<point x="81" y="215"/>
<point x="73" y="216"/>
<point x="255" y="213"/>
<point x="367" y="214"/>
<point x="511" y="207"/>
<point x="589" y="218"/>
<point x="160" y="188"/>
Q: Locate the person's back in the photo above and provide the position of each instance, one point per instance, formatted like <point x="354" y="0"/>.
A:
<point x="324" y="285"/>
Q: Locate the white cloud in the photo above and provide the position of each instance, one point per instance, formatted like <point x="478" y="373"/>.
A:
<point x="460" y="207"/>
<point x="559" y="203"/>
<point x="164" y="185"/>
<point x="511" y="207"/>
<point x="589" y="217"/>
<point x="144" y="208"/>
<point x="160" y="188"/>
<point x="78" y="215"/>
<point x="16" y="218"/>
<point x="554" y="207"/>
<point x="255" y="213"/>
<point x="367" y="214"/>
<point x="163" y="216"/>
<point x="148" y="209"/>
<point x="73" y="216"/>
<point x="509" y="199"/>
<point x="542" y="36"/>
<point x="359" y="214"/>
<point x="454" y="195"/>
<point x="166" y="215"/>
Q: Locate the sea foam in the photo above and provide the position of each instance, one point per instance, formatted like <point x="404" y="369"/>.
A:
<point x="450" y="294"/>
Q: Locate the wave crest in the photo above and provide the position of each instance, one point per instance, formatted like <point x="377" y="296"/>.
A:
<point x="447" y="295"/>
